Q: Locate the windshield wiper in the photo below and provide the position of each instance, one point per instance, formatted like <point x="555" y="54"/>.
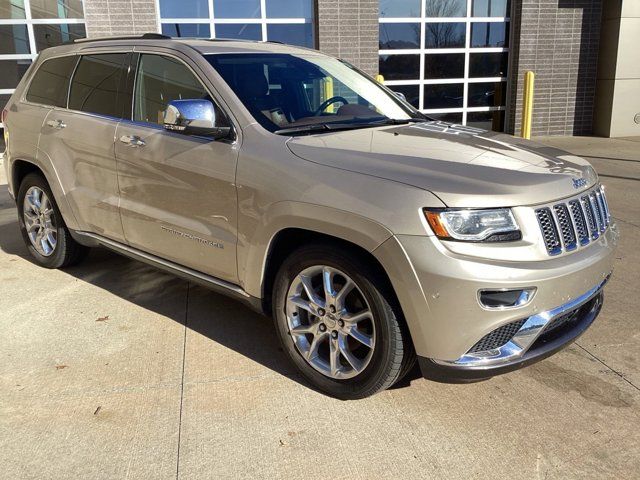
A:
<point x="314" y="127"/>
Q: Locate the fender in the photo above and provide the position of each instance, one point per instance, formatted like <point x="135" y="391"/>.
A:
<point x="45" y="165"/>
<point x="253" y="250"/>
<point x="56" y="184"/>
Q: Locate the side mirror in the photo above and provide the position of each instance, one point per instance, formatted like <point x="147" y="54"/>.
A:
<point x="194" y="117"/>
<point x="400" y="95"/>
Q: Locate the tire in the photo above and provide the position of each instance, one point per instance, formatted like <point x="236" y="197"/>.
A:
<point x="362" y="367"/>
<point x="62" y="252"/>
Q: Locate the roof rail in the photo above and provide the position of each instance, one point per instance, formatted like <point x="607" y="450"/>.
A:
<point x="144" y="36"/>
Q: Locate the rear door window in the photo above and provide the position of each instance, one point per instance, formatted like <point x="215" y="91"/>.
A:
<point x="50" y="83"/>
<point x="95" y="85"/>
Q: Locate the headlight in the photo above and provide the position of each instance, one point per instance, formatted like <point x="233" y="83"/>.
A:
<point x="494" y="225"/>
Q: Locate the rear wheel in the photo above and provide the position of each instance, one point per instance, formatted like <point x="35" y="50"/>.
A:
<point x="43" y="229"/>
<point x="337" y="323"/>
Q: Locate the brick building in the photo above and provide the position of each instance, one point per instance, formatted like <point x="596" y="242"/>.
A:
<point x="459" y="60"/>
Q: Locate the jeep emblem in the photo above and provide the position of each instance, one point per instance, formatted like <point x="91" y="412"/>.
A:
<point x="579" y="182"/>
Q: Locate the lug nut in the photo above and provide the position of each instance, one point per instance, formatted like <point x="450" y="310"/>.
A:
<point x="323" y="327"/>
<point x="334" y="334"/>
<point x="321" y="312"/>
<point x="341" y="323"/>
<point x="332" y="309"/>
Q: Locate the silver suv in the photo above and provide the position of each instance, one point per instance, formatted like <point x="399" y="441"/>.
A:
<point x="293" y="182"/>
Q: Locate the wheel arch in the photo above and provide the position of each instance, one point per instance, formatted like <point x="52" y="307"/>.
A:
<point x="20" y="168"/>
<point x="289" y="239"/>
<point x="290" y="225"/>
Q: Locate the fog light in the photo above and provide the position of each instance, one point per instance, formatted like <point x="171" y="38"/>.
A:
<point x="505" y="298"/>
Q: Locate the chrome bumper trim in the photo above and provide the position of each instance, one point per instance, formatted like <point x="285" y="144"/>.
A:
<point x="524" y="338"/>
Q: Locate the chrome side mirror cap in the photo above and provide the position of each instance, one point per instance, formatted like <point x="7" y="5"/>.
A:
<point x="195" y="117"/>
<point x="400" y="95"/>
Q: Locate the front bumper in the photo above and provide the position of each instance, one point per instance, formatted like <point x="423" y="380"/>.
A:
<point x="536" y="340"/>
<point x="438" y="292"/>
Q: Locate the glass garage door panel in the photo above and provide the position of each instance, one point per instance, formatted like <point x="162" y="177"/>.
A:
<point x="401" y="36"/>
<point x="240" y="31"/>
<point x="182" y="9"/>
<point x="448" y="57"/>
<point x="400" y="67"/>
<point x="194" y="30"/>
<point x="287" y="21"/>
<point x="29" y="26"/>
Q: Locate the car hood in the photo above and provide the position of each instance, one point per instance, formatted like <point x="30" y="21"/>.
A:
<point x="465" y="167"/>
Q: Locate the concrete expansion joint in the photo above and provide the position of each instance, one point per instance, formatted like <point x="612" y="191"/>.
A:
<point x="621" y="375"/>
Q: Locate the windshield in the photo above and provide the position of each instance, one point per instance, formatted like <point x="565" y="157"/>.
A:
<point x="285" y="91"/>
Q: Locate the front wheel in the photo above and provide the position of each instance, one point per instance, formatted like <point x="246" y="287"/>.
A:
<point x="337" y="322"/>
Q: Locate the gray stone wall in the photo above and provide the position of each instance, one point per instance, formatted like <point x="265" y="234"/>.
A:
<point x="558" y="40"/>
<point x="120" y="17"/>
<point x="349" y="30"/>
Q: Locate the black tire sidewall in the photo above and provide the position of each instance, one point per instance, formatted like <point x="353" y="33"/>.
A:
<point x="57" y="259"/>
<point x="381" y="365"/>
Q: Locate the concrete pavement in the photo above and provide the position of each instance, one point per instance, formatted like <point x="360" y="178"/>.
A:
<point x="112" y="369"/>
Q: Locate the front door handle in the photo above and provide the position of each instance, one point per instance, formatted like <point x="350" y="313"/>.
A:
<point x="132" y="141"/>
<point x="57" y="124"/>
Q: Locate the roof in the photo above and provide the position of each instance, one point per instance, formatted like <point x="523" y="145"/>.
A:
<point x="201" y="45"/>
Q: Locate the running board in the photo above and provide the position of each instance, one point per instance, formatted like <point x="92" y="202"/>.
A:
<point x="219" y="286"/>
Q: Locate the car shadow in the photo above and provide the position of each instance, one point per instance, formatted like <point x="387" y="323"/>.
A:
<point x="216" y="317"/>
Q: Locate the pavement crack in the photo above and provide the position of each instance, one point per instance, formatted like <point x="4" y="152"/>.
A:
<point x="184" y="355"/>
<point x="610" y="368"/>
<point x="620" y="177"/>
<point x="626" y="222"/>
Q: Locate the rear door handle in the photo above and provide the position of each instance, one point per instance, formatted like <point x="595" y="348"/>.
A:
<point x="132" y="141"/>
<point x="57" y="124"/>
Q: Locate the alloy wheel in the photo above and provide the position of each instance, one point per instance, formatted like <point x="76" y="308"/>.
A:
<point x="39" y="221"/>
<point x="330" y="322"/>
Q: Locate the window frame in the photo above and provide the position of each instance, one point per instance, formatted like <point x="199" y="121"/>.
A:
<point x="121" y="84"/>
<point x="36" y="67"/>
<point x="130" y="87"/>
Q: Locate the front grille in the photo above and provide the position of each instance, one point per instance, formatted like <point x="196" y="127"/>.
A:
<point x="577" y="222"/>
<point x="498" y="337"/>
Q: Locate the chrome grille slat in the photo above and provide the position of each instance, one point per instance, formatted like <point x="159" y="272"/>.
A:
<point x="591" y="219"/>
<point x="574" y="223"/>
<point x="565" y="226"/>
<point x="549" y="230"/>
<point x="596" y="201"/>
<point x="606" y="205"/>
<point x="596" y="211"/>
<point x="603" y="212"/>
<point x="582" y="230"/>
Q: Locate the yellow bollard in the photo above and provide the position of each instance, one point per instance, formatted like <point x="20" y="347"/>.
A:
<point x="327" y="92"/>
<point x="527" y="105"/>
<point x="379" y="78"/>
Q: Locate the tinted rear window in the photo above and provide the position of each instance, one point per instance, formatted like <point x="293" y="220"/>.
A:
<point x="50" y="83"/>
<point x="95" y="84"/>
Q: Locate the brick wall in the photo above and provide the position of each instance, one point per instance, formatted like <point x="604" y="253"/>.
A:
<point x="349" y="30"/>
<point x="558" y="40"/>
<point x="120" y="17"/>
